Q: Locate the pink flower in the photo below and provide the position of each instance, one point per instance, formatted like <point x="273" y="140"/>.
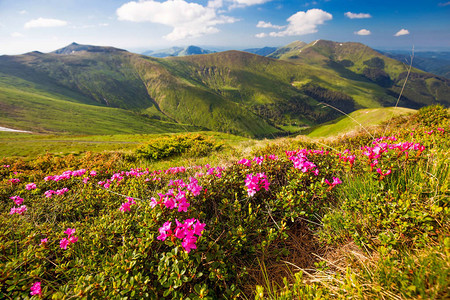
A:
<point x="258" y="159"/>
<point x="335" y="182"/>
<point x="126" y="206"/>
<point x="17" y="200"/>
<point x="44" y="241"/>
<point x="93" y="173"/>
<point x="36" y="289"/>
<point x="189" y="243"/>
<point x="30" y="186"/>
<point x="85" y="180"/>
<point x="64" y="243"/>
<point x="61" y="191"/>
<point x="70" y="238"/>
<point x="49" y="193"/>
<point x="153" y="202"/>
<point x="379" y="171"/>
<point x="70" y="231"/>
<point x="14" y="180"/>
<point x="245" y="162"/>
<point x="255" y="182"/>
<point x="194" y="187"/>
<point x="164" y="231"/>
<point x="18" y="210"/>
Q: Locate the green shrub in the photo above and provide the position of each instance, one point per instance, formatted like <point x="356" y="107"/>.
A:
<point x="192" y="145"/>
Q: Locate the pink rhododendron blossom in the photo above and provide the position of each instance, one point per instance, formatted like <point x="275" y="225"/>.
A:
<point x="18" y="210"/>
<point x="194" y="187"/>
<point x="64" y="243"/>
<point x="153" y="202"/>
<point x="14" y="180"/>
<point x="49" y="193"/>
<point x="44" y="241"/>
<point x="165" y="231"/>
<point x="185" y="231"/>
<point x="17" y="200"/>
<point x="335" y="182"/>
<point x="36" y="289"/>
<point x="258" y="159"/>
<point x="70" y="231"/>
<point x="61" y="191"/>
<point x="93" y="173"/>
<point x="245" y="162"/>
<point x="255" y="182"/>
<point x="30" y="186"/>
<point x="379" y="171"/>
<point x="126" y="206"/>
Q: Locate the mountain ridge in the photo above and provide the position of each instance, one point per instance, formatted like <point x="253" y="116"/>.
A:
<point x="233" y="91"/>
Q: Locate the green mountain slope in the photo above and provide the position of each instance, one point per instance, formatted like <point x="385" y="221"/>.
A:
<point x="359" y="62"/>
<point x="360" y="120"/>
<point x="234" y="92"/>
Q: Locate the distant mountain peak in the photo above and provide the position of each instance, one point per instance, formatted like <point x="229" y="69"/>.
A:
<point x="178" y="51"/>
<point x="75" y="48"/>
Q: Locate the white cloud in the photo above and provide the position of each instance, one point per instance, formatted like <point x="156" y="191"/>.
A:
<point x="261" y="35"/>
<point x="262" y="24"/>
<point x="215" y="3"/>
<point x="402" y="32"/>
<point x="42" y="22"/>
<point x="357" y="16"/>
<point x="304" y="23"/>
<point x="363" y="32"/>
<point x="186" y="19"/>
<point x="249" y="2"/>
<point x="23" y="12"/>
<point x="442" y="4"/>
<point x="16" y="35"/>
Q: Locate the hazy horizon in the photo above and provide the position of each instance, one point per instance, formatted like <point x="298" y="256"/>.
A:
<point x="137" y="26"/>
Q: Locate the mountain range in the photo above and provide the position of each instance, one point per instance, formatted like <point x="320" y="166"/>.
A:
<point x="178" y="51"/>
<point x="83" y="89"/>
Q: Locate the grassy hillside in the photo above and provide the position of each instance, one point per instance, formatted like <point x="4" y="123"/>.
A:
<point x="31" y="111"/>
<point x="232" y="92"/>
<point x="356" y="61"/>
<point x="359" y="120"/>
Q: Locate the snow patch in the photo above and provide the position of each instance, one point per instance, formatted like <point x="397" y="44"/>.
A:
<point x="13" y="130"/>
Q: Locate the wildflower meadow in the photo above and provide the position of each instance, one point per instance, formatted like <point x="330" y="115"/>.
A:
<point x="365" y="216"/>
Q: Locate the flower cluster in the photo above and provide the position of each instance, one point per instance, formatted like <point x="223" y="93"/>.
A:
<point x="69" y="240"/>
<point x="188" y="232"/>
<point x="126" y="206"/>
<point x="36" y="289"/>
<point x="17" y="200"/>
<point x="50" y="193"/>
<point x="14" y="180"/>
<point x="18" y="210"/>
<point x="177" y="198"/>
<point x="255" y="182"/>
<point x="30" y="186"/>
<point x="335" y="182"/>
<point x="66" y="175"/>
<point x="300" y="160"/>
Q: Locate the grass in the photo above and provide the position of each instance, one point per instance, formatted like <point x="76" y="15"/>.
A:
<point x="372" y="237"/>
<point x="45" y="114"/>
<point x="29" y="146"/>
<point x="357" y="120"/>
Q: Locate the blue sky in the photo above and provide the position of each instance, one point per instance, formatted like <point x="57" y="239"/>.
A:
<point x="46" y="25"/>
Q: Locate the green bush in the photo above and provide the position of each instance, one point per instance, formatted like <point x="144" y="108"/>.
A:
<point x="192" y="145"/>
